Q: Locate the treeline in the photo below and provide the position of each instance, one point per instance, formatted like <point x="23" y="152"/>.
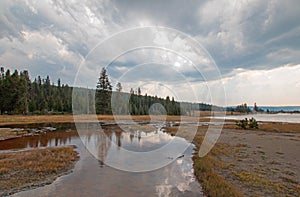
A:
<point x="20" y="95"/>
<point x="135" y="103"/>
<point x="244" y="108"/>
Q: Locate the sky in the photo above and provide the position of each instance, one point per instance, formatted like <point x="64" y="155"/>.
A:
<point x="224" y="52"/>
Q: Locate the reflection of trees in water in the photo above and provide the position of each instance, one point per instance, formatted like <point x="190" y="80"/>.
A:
<point x="104" y="139"/>
<point x="100" y="140"/>
<point x="55" y="138"/>
<point x="118" y="138"/>
<point x="51" y="139"/>
<point x="104" y="143"/>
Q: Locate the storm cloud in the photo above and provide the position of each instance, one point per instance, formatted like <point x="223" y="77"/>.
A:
<point x="249" y="36"/>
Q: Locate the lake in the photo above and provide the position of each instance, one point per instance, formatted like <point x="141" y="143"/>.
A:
<point x="279" y="117"/>
<point x="92" y="177"/>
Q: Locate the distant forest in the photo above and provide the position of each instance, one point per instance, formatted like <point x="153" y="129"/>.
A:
<point x="20" y="95"/>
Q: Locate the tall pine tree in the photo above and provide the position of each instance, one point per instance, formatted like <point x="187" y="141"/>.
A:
<point x="103" y="94"/>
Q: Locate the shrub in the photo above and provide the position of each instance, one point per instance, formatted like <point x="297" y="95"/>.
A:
<point x="253" y="124"/>
<point x="247" y="124"/>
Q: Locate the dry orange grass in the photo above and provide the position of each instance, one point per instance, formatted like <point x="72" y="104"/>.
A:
<point x="205" y="170"/>
<point x="5" y="133"/>
<point x="280" y="127"/>
<point x="31" y="119"/>
<point x="19" y="170"/>
<point x="18" y="119"/>
<point x="271" y="127"/>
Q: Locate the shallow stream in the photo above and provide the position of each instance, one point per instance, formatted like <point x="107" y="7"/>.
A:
<point x="92" y="177"/>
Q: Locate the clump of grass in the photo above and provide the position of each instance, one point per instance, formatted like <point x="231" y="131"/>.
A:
<point x="289" y="179"/>
<point x="242" y="145"/>
<point x="273" y="162"/>
<point x="261" y="152"/>
<point x="261" y="170"/>
<point x="24" y="169"/>
<point x="290" y="173"/>
<point x="251" y="179"/>
<point x="268" y="186"/>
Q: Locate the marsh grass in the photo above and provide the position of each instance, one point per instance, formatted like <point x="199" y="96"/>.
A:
<point x="32" y="119"/>
<point x="277" y="127"/>
<point x="205" y="171"/>
<point x="205" y="168"/>
<point x="24" y="169"/>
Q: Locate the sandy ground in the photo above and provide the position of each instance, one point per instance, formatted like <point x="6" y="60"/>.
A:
<point x="262" y="163"/>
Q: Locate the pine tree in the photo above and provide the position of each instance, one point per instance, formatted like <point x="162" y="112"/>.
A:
<point x="103" y="94"/>
<point x="117" y="100"/>
<point x="23" y="91"/>
<point x="1" y="89"/>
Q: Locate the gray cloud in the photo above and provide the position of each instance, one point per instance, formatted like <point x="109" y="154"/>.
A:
<point x="54" y="36"/>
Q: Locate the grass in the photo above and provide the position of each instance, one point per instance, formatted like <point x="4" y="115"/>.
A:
<point x="271" y="127"/>
<point x="212" y="183"/>
<point x="205" y="168"/>
<point x="280" y="127"/>
<point x="6" y="133"/>
<point x="26" y="169"/>
<point x="31" y="119"/>
<point x="19" y="119"/>
<point x="276" y="188"/>
<point x="204" y="116"/>
<point x="205" y="171"/>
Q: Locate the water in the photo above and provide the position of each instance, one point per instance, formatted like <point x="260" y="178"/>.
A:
<point x="275" y="108"/>
<point x="280" y="117"/>
<point x="91" y="177"/>
<point x="279" y="108"/>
